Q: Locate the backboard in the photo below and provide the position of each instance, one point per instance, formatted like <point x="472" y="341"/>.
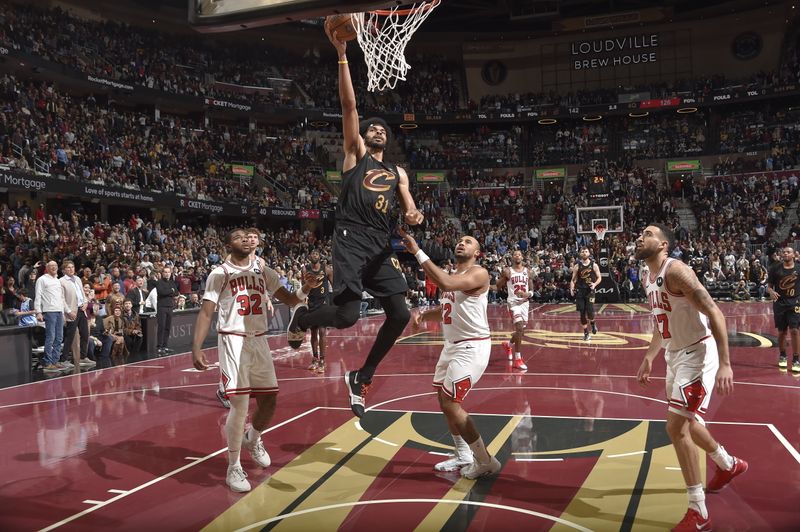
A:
<point x="234" y="15"/>
<point x="612" y="217"/>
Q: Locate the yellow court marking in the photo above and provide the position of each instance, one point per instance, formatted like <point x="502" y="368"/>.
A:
<point x="291" y="481"/>
<point x="440" y="514"/>
<point x="602" y="500"/>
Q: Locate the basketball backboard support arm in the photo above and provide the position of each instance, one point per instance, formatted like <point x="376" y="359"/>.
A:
<point x="214" y="16"/>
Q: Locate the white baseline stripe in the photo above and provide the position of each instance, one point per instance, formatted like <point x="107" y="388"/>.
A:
<point x="162" y="477"/>
<point x="117" y="491"/>
<point x="386" y="442"/>
<point x="538" y="459"/>
<point x="785" y="442"/>
<point x="626" y="454"/>
<point x="559" y="520"/>
<point x="90" y="501"/>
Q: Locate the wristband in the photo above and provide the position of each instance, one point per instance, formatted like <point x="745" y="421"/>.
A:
<point x="343" y="62"/>
<point x="300" y="294"/>
<point x="421" y="256"/>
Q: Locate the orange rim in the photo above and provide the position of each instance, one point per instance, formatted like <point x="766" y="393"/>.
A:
<point x="405" y="12"/>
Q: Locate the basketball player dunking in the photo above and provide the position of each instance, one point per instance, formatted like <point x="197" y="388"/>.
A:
<point x="465" y="355"/>
<point x="238" y="289"/>
<point x="316" y="298"/>
<point x="691" y="329"/>
<point x="519" y="284"/>
<point x="585" y="278"/>
<point x="362" y="255"/>
<point x="783" y="284"/>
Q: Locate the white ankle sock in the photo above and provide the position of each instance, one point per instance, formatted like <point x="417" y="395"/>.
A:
<point x="697" y="499"/>
<point x="462" y="449"/>
<point x="252" y="434"/>
<point x="479" y="451"/>
<point x="721" y="457"/>
<point x="517" y="355"/>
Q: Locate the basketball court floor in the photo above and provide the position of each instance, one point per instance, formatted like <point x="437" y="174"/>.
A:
<point x="583" y="447"/>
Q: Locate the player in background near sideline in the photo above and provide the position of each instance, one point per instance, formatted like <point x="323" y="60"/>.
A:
<point x="519" y="284"/>
<point x="316" y="298"/>
<point x="783" y="284"/>
<point x="585" y="278"/>
<point x="697" y="357"/>
<point x="362" y="252"/>
<point x="465" y="355"/>
<point x="238" y="289"/>
<point x="254" y="235"/>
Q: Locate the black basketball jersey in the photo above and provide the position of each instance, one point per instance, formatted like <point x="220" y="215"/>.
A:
<point x="786" y="282"/>
<point x="585" y="275"/>
<point x="319" y="293"/>
<point x="367" y="194"/>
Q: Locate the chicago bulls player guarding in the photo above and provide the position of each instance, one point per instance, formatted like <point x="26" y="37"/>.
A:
<point x="691" y="329"/>
<point x="465" y="355"/>
<point x="239" y="289"/>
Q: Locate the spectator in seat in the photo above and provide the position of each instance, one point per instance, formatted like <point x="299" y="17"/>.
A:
<point x="132" y="328"/>
<point x="26" y="316"/>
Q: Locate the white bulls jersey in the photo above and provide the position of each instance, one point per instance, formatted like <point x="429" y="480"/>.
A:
<point x="517" y="281"/>
<point x="464" y="316"/>
<point x="241" y="295"/>
<point x="679" y="323"/>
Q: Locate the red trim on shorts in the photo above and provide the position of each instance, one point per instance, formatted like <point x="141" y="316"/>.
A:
<point x="242" y="334"/>
<point x="472" y="340"/>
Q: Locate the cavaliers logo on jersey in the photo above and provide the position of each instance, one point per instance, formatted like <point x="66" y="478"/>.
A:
<point x="788" y="282"/>
<point x="377" y="180"/>
<point x="586" y="275"/>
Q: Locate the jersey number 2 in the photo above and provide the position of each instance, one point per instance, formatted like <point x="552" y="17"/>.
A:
<point x="447" y="308"/>
<point x="662" y="321"/>
<point x="249" y="305"/>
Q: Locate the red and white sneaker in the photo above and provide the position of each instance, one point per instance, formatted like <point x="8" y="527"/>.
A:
<point x="693" y="522"/>
<point x="520" y="364"/>
<point x="722" y="478"/>
<point x="509" y="351"/>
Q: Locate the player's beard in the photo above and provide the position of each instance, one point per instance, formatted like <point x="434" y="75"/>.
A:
<point x="374" y="145"/>
<point x="642" y="253"/>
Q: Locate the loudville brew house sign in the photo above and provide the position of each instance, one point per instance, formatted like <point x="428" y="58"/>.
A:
<point x="615" y="51"/>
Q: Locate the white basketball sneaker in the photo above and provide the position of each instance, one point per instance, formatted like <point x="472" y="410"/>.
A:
<point x="256" y="450"/>
<point x="237" y="479"/>
<point x="454" y="464"/>
<point x="476" y="470"/>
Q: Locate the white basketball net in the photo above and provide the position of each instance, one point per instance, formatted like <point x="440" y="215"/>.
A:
<point x="383" y="39"/>
<point x="600" y="232"/>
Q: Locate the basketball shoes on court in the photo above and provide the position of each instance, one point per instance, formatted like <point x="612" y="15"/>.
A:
<point x="520" y="364"/>
<point x="476" y="470"/>
<point x="294" y="334"/>
<point x="586" y="336"/>
<point x="358" y="391"/>
<point x="236" y="479"/>
<point x="722" y="478"/>
<point x="782" y="360"/>
<point x="693" y="522"/>
<point x="796" y="365"/>
<point x="256" y="449"/>
<point x="455" y="463"/>
<point x="509" y="351"/>
<point x="594" y="328"/>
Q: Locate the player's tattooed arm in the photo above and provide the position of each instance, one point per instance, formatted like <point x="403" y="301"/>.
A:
<point x="411" y="214"/>
<point x="680" y="279"/>
<point x="503" y="279"/>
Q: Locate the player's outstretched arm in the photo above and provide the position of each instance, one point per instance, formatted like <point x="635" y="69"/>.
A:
<point x="505" y="275"/>
<point x="474" y="280"/>
<point x="682" y="280"/>
<point x="411" y="214"/>
<point x="310" y="282"/>
<point x="201" y="326"/>
<point x="354" y="147"/>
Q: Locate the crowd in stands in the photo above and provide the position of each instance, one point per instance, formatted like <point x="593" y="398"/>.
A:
<point x="484" y="147"/>
<point x="560" y="144"/>
<point x="664" y="135"/>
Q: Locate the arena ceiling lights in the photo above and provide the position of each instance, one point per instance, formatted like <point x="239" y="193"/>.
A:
<point x="319" y="123"/>
<point x="547" y="121"/>
<point x="408" y="125"/>
<point x="592" y="118"/>
<point x="686" y="110"/>
<point x="639" y="115"/>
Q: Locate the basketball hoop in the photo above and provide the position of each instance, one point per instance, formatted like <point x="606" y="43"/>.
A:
<point x="600" y="232"/>
<point x="383" y="36"/>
